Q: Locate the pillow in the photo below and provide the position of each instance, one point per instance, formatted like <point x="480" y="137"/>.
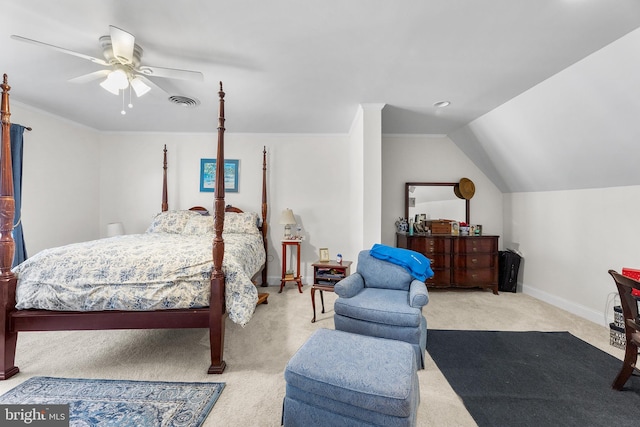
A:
<point x="199" y="225"/>
<point x="246" y="222"/>
<point x="171" y="221"/>
<point x="236" y="223"/>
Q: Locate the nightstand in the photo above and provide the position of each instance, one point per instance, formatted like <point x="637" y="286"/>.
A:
<point x="325" y="276"/>
<point x="295" y="275"/>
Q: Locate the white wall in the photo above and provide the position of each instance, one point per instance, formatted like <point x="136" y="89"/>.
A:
<point x="355" y="173"/>
<point x="372" y="175"/>
<point x="565" y="154"/>
<point x="423" y="158"/>
<point x="578" y="129"/>
<point x="60" y="193"/>
<point x="569" y="240"/>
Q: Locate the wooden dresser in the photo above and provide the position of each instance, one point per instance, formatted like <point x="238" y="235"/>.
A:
<point x="457" y="261"/>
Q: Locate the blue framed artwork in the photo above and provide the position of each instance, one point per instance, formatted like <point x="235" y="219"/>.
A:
<point x="208" y="175"/>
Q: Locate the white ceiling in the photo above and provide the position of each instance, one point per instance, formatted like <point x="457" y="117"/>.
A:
<point x="291" y="66"/>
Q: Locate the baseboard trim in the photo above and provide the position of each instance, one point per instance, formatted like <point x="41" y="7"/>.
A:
<point x="570" y="306"/>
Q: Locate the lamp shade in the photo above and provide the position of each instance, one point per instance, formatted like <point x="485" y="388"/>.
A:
<point x="287" y="217"/>
<point x="139" y="86"/>
<point x="109" y="86"/>
<point x="116" y="80"/>
<point x="115" y="229"/>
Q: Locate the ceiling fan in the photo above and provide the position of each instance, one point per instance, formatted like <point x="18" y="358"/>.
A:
<point x="123" y="58"/>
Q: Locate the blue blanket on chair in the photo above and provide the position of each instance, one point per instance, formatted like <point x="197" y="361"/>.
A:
<point x="414" y="262"/>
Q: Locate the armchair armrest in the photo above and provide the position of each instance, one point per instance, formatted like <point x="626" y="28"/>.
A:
<point x="349" y="286"/>
<point x="418" y="295"/>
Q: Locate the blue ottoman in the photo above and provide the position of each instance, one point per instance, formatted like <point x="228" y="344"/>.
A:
<point x="342" y="379"/>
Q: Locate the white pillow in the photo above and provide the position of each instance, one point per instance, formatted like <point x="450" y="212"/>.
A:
<point x="199" y="225"/>
<point x="246" y="223"/>
<point x="171" y="221"/>
<point x="236" y="223"/>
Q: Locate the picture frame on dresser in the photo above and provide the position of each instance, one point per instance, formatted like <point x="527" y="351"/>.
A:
<point x="324" y="254"/>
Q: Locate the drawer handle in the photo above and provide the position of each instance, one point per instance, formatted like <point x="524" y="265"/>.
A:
<point x="474" y="276"/>
<point x="475" y="249"/>
<point x="431" y="242"/>
<point x="474" y="260"/>
<point x="432" y="261"/>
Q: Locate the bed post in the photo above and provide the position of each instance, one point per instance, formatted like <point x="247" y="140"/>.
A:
<point x="7" y="245"/>
<point x="217" y="315"/>
<point x="264" y="212"/>
<point x="165" y="202"/>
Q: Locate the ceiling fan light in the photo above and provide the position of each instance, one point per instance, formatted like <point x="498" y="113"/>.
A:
<point x="115" y="81"/>
<point x="139" y="86"/>
<point x="119" y="78"/>
<point x="109" y="86"/>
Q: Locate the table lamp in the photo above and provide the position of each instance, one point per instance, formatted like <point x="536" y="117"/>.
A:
<point x="287" y="219"/>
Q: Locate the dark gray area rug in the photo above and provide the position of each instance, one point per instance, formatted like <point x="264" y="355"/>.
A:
<point x="534" y="379"/>
<point x="122" y="403"/>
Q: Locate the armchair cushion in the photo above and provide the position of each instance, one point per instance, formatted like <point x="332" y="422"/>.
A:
<point x="384" y="306"/>
<point x="418" y="295"/>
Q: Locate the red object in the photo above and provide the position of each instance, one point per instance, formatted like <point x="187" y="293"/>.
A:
<point x="632" y="273"/>
<point x="635" y="275"/>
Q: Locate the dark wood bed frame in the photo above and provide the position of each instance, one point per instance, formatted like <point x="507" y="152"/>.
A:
<point x="13" y="321"/>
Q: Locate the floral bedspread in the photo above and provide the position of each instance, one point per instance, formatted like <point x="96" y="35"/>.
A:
<point x="150" y="271"/>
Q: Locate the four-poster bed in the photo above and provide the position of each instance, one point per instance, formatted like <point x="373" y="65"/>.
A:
<point x="13" y="321"/>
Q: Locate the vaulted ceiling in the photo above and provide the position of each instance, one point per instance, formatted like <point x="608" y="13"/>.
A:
<point x="291" y="66"/>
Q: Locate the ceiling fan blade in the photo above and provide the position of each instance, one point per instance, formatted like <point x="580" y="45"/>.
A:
<point x="122" y="44"/>
<point x="90" y="77"/>
<point x="170" y="73"/>
<point x="61" y="49"/>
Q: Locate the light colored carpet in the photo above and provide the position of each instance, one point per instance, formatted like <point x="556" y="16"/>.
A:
<point x="256" y="355"/>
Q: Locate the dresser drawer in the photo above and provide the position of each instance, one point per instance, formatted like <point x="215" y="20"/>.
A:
<point x="430" y="245"/>
<point x="473" y="261"/>
<point x="476" y="277"/>
<point x="472" y="245"/>
<point x="440" y="278"/>
<point x="439" y="261"/>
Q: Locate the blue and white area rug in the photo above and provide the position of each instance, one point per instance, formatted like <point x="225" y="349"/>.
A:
<point x="122" y="403"/>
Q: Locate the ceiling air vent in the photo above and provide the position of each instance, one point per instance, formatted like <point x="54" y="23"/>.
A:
<point x="184" y="101"/>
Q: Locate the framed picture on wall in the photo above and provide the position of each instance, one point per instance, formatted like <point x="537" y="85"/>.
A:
<point x="208" y="175"/>
<point x="324" y="254"/>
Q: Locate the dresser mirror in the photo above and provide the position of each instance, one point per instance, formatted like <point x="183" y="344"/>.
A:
<point x="434" y="200"/>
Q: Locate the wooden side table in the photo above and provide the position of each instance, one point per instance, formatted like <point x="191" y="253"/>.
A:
<point x="295" y="277"/>
<point x="325" y="277"/>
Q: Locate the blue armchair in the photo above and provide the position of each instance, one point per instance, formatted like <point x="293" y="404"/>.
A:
<point x="382" y="299"/>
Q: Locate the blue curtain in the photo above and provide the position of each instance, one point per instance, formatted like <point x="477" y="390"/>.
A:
<point x="17" y="132"/>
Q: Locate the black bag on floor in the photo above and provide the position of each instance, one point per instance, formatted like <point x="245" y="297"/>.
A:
<point x="508" y="265"/>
